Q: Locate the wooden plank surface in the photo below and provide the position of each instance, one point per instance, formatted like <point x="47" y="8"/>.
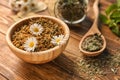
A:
<point x="63" y="67"/>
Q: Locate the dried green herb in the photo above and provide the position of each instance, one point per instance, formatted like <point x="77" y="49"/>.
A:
<point x="112" y="17"/>
<point x="93" y="43"/>
<point x="71" y="10"/>
<point x="100" y="65"/>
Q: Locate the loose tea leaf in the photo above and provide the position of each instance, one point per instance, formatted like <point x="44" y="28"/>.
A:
<point x="100" y="65"/>
<point x="92" y="43"/>
<point x="71" y="10"/>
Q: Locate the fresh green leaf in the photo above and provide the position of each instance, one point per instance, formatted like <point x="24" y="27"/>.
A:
<point x="112" y="23"/>
<point x="117" y="20"/>
<point x="112" y="18"/>
<point x="111" y="8"/>
<point x="118" y="3"/>
<point x="116" y="30"/>
<point x="103" y="18"/>
<point x="115" y="14"/>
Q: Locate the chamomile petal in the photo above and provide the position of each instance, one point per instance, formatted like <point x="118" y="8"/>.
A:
<point x="61" y="36"/>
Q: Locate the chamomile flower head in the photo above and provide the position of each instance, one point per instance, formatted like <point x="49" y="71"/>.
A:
<point x="17" y="5"/>
<point x="25" y="8"/>
<point x="57" y="40"/>
<point x="30" y="44"/>
<point x="22" y="5"/>
<point x="36" y="29"/>
<point x="33" y="5"/>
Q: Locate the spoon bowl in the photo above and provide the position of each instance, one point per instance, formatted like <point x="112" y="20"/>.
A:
<point x="93" y="30"/>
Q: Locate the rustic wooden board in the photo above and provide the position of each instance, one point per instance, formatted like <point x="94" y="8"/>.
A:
<point x="62" y="68"/>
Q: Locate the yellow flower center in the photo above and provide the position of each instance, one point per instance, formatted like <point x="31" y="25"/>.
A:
<point x="32" y="5"/>
<point x="36" y="30"/>
<point x="31" y="44"/>
<point x="57" y="40"/>
<point x="25" y="8"/>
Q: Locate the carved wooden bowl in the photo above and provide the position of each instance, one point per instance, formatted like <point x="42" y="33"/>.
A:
<point x="41" y="56"/>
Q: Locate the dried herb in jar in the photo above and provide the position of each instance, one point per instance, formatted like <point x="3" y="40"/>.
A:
<point x="71" y="10"/>
<point x="93" y="43"/>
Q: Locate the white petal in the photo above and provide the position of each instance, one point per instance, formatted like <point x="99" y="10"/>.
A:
<point x="35" y="24"/>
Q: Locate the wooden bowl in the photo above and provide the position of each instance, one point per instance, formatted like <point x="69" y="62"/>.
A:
<point x="41" y="56"/>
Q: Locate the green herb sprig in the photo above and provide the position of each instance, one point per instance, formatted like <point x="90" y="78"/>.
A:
<point x="112" y="17"/>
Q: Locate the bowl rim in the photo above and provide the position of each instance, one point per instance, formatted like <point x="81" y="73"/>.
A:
<point x="60" y="22"/>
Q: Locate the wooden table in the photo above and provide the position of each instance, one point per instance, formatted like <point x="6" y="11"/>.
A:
<point x="64" y="66"/>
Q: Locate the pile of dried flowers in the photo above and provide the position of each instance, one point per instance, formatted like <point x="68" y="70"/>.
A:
<point x="27" y="5"/>
<point x="38" y="35"/>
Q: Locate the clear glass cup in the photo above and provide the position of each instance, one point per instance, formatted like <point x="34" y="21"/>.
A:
<point x="71" y="11"/>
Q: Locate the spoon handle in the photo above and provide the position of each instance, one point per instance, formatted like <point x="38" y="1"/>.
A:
<point x="94" y="27"/>
<point x="96" y="10"/>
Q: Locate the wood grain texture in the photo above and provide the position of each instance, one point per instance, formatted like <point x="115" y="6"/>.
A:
<point x="64" y="66"/>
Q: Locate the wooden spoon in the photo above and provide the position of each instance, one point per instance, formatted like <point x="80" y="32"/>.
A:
<point x="93" y="30"/>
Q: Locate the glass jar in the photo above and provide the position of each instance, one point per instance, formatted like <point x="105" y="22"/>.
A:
<point x="71" y="11"/>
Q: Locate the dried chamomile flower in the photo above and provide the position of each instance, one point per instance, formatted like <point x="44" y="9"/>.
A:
<point x="22" y="5"/>
<point x="30" y="44"/>
<point x="36" y="29"/>
<point x="16" y="5"/>
<point x="33" y="5"/>
<point x="57" y="40"/>
<point x="25" y="8"/>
